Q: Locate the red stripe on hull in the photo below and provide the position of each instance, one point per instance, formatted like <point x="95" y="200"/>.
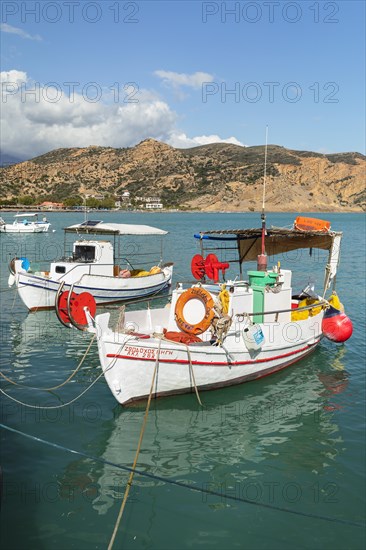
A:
<point x="233" y="382"/>
<point x="213" y="363"/>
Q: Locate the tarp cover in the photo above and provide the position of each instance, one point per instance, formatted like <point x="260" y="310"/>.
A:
<point x="278" y="241"/>
<point x="114" y="229"/>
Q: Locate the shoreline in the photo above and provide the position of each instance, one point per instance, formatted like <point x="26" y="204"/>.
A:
<point x="26" y="210"/>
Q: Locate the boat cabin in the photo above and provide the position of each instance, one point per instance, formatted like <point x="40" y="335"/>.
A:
<point x="88" y="257"/>
<point x="96" y="256"/>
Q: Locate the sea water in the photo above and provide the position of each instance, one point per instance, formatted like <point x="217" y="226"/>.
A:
<point x="277" y="464"/>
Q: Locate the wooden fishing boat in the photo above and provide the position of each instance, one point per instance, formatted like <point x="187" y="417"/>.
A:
<point x="95" y="266"/>
<point x="216" y="334"/>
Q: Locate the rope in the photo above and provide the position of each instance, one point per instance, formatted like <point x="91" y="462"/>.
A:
<point x="53" y="406"/>
<point x="69" y="402"/>
<point x="192" y="374"/>
<point x="130" y="479"/>
<point x="59" y="385"/>
<point x="162" y="337"/>
<point x="181" y="483"/>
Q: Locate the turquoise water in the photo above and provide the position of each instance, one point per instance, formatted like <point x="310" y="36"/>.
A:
<point x="290" y="442"/>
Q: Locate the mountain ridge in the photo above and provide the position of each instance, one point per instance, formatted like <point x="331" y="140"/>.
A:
<point x="212" y="177"/>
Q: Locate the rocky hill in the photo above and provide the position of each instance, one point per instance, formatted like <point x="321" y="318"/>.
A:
<point x="210" y="177"/>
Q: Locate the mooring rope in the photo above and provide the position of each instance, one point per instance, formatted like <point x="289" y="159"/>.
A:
<point x="59" y="385"/>
<point x="192" y="374"/>
<point x="162" y="337"/>
<point x="41" y="407"/>
<point x="31" y="406"/>
<point x="142" y="431"/>
<point x="183" y="485"/>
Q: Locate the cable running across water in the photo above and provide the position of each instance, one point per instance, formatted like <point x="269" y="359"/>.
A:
<point x="182" y="484"/>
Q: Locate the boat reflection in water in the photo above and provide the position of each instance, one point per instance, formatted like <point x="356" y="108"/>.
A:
<point x="239" y="436"/>
<point x="40" y="352"/>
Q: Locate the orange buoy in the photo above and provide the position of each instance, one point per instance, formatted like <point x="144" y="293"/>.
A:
<point x="311" y="224"/>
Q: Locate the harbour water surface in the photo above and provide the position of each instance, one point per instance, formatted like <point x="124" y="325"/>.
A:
<point x="288" y="449"/>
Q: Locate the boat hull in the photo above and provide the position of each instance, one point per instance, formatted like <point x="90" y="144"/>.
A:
<point x="128" y="362"/>
<point x="20" y="228"/>
<point x="39" y="292"/>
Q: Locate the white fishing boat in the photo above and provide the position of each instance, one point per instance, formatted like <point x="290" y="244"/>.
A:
<point x="95" y="266"/>
<point x="25" y="223"/>
<point x="219" y="334"/>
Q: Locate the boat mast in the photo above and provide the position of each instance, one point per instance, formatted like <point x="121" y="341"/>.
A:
<point x="85" y="217"/>
<point x="262" y="258"/>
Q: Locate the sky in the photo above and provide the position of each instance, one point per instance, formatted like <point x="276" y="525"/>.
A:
<point x="112" y="73"/>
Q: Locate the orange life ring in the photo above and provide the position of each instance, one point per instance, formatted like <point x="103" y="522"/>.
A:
<point x="197" y="293"/>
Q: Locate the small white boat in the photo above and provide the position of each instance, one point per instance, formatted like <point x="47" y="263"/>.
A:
<point x="25" y="223"/>
<point x="215" y="335"/>
<point x="95" y="266"/>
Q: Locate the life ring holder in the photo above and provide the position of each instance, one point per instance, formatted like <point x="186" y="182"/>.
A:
<point x="195" y="293"/>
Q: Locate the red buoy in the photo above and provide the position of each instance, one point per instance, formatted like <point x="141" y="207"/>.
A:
<point x="336" y="325"/>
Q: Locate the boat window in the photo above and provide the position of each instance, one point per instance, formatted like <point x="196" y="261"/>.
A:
<point x="83" y="253"/>
<point x="60" y="269"/>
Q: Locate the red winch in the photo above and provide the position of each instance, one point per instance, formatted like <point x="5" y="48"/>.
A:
<point x="209" y="266"/>
<point x="70" y="308"/>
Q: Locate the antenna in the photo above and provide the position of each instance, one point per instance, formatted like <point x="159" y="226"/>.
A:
<point x="265" y="174"/>
<point x="262" y="258"/>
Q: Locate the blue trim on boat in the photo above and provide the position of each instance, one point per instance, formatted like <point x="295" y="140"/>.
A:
<point x="86" y="288"/>
<point x="151" y="290"/>
<point x="209" y="238"/>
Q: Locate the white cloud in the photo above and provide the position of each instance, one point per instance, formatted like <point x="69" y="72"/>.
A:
<point x="176" y="80"/>
<point x="4" y="27"/>
<point x="12" y="77"/>
<point x="36" y="119"/>
<point x="32" y="124"/>
<point x="183" y="141"/>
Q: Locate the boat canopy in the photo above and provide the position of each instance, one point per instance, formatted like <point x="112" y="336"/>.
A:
<point x="279" y="241"/>
<point x="98" y="227"/>
<point x="26" y="215"/>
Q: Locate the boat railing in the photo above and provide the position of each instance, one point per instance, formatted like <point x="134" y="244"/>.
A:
<point x="89" y="265"/>
<point x="83" y="265"/>
<point x="139" y="263"/>
<point x="321" y="303"/>
<point x="158" y="296"/>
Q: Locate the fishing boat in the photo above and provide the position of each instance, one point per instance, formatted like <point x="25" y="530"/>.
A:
<point x="96" y="266"/>
<point x="218" y="332"/>
<point x="25" y="223"/>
